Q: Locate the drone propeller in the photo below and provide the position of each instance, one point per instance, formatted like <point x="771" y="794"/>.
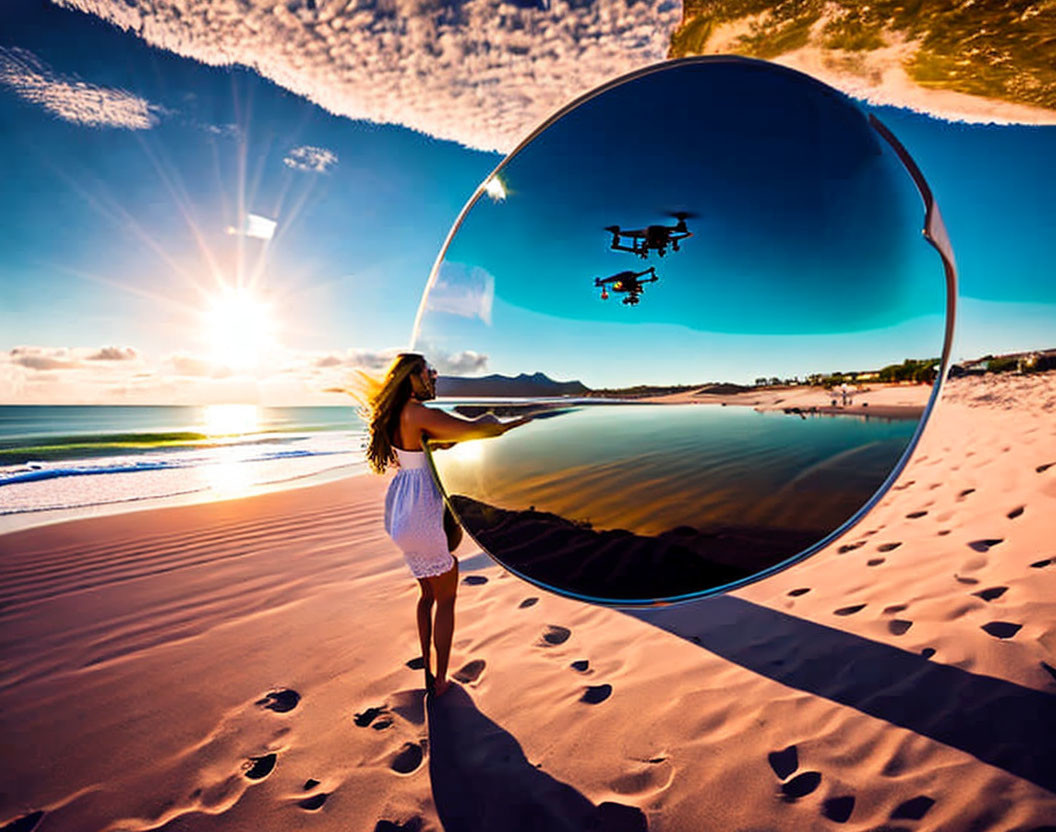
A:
<point x="682" y="215"/>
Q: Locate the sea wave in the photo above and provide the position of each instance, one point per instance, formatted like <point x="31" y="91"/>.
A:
<point x="239" y="465"/>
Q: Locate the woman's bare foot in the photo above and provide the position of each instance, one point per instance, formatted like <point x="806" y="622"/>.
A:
<point x="430" y="681"/>
<point x="440" y="687"/>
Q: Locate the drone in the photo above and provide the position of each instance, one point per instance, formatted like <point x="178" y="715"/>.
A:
<point x="652" y="237"/>
<point x="628" y="282"/>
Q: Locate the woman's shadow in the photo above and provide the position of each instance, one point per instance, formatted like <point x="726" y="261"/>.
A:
<point x="482" y="780"/>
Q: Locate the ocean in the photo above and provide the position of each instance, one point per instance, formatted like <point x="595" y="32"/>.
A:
<point x="58" y="462"/>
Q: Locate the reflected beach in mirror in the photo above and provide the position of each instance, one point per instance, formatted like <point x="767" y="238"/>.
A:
<point x="718" y="257"/>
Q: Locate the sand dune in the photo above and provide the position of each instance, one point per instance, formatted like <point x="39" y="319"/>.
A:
<point x="250" y="665"/>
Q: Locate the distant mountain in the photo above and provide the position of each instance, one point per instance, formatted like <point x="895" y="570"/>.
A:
<point x="537" y="384"/>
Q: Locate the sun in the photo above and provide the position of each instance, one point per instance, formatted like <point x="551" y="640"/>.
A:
<point x="239" y="328"/>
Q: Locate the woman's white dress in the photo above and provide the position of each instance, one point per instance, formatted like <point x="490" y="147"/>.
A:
<point x="414" y="516"/>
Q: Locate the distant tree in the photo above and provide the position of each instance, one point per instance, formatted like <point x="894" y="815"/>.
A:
<point x="1002" y="365"/>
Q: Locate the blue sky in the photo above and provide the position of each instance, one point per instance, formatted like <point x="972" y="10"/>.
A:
<point x="123" y="232"/>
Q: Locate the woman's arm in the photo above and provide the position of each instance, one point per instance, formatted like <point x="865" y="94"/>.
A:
<point x="444" y="427"/>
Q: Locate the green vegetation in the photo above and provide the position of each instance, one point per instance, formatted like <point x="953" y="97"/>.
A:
<point x="1003" y="364"/>
<point x="1003" y="50"/>
<point x="921" y="371"/>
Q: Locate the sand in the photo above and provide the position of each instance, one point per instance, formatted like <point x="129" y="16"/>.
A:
<point x="243" y="665"/>
<point x="884" y="400"/>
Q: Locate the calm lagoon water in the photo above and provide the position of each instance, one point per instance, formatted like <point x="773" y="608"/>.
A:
<point x="649" y="469"/>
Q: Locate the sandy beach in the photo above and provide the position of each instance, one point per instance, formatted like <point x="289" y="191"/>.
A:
<point x="891" y="400"/>
<point x="248" y="665"/>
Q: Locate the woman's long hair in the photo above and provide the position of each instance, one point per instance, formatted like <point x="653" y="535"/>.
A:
<point x="381" y="403"/>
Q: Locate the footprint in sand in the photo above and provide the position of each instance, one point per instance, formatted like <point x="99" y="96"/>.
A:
<point x="895" y="608"/>
<point x="1002" y="629"/>
<point x="838" y="809"/>
<point x="913" y="515"/>
<point x="556" y="634"/>
<point x="849" y="547"/>
<point x="417" y="663"/>
<point x="904" y="485"/>
<point x="927" y="652"/>
<point x="888" y="547"/>
<point x="943" y="532"/>
<point x="784" y="762"/>
<point x="24" y="823"/>
<point x="470" y="672"/>
<point x="596" y="694"/>
<point x="1016" y="512"/>
<point x="913" y="809"/>
<point x="1043" y="468"/>
<point x="985" y="544"/>
<point x="415" y="824"/>
<point x="474" y="580"/>
<point x="260" y="767"/>
<point x="803" y="590"/>
<point x="991" y="593"/>
<point x="899" y="626"/>
<point x="408" y="758"/>
<point x="965" y="493"/>
<point x="1041" y="564"/>
<point x="310" y="783"/>
<point x="961" y="579"/>
<point x="849" y="610"/>
<point x="527" y="602"/>
<point x="369" y="715"/>
<point x="313" y="803"/>
<point x="280" y="701"/>
<point x="581" y="665"/>
<point x="801" y="785"/>
<point x="874" y="561"/>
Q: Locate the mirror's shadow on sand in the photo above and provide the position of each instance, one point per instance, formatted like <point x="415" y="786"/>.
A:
<point x="1001" y="723"/>
<point x="483" y="782"/>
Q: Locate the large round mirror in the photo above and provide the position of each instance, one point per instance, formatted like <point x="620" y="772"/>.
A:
<point x="708" y="281"/>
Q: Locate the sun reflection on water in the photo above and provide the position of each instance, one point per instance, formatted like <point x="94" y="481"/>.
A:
<point x="230" y="419"/>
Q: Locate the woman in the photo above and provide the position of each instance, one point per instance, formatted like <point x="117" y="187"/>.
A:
<point x="415" y="515"/>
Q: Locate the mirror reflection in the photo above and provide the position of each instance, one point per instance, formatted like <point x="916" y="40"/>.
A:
<point x="708" y="282"/>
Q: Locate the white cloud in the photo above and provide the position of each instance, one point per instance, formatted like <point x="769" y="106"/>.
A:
<point x="254" y="225"/>
<point x="480" y="72"/>
<point x="113" y="354"/>
<point x="462" y="363"/>
<point x="70" y="98"/>
<point x="81" y="375"/>
<point x="466" y="292"/>
<point x="317" y="159"/>
<point x="184" y="364"/>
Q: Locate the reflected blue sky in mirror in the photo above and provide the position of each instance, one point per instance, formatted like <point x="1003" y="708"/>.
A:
<point x="806" y="239"/>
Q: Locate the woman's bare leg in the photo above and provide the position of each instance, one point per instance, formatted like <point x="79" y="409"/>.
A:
<point x="445" y="588"/>
<point x="425" y="627"/>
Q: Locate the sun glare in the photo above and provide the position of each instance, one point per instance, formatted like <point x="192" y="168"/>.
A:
<point x="495" y="189"/>
<point x="240" y="329"/>
<point x="230" y="419"/>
